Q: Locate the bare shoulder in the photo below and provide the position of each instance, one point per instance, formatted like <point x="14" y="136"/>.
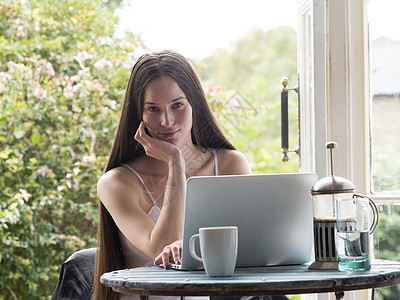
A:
<point x="117" y="181"/>
<point x="112" y="178"/>
<point x="231" y="162"/>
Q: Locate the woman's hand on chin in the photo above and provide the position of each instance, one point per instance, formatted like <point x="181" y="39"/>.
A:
<point x="172" y="253"/>
<point x="156" y="148"/>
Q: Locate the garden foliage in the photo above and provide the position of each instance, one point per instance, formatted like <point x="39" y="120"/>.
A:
<point x="248" y="76"/>
<point x="62" y="78"/>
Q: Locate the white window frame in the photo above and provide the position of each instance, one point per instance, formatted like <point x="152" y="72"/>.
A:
<point x="347" y="81"/>
<point x="340" y="96"/>
<point x="340" y="93"/>
<point x="335" y="104"/>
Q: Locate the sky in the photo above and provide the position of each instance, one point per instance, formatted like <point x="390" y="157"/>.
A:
<point x="197" y="28"/>
<point x="384" y="19"/>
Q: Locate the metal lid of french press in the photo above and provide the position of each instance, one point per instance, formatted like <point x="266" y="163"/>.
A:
<point x="332" y="184"/>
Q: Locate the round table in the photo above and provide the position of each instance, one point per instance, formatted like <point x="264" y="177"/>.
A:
<point x="278" y="280"/>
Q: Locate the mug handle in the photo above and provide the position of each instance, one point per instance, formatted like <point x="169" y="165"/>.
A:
<point x="192" y="249"/>
<point x="375" y="212"/>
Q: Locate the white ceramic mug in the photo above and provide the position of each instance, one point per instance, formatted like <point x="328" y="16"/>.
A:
<point x="218" y="246"/>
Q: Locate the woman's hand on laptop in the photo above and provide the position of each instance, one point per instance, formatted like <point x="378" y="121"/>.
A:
<point x="172" y="253"/>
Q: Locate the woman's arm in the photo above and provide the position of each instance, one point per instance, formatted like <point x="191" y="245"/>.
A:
<point x="121" y="194"/>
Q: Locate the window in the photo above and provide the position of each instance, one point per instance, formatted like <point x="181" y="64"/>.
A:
<point x="385" y="124"/>
<point x="348" y="81"/>
<point x="385" y="95"/>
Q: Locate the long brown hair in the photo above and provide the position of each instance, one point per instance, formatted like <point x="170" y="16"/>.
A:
<point x="205" y="133"/>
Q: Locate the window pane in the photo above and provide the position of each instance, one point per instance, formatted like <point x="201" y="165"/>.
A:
<point x="385" y="94"/>
<point x="385" y="124"/>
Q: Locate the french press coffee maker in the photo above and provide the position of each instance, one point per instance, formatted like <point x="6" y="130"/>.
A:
<point x="324" y="194"/>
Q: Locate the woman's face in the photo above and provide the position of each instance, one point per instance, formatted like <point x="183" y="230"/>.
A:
<point x="167" y="113"/>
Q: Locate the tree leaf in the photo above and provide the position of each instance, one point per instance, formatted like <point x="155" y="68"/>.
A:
<point x="19" y="133"/>
<point x="35" y="138"/>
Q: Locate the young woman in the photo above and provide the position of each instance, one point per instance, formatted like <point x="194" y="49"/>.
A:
<point x="166" y="134"/>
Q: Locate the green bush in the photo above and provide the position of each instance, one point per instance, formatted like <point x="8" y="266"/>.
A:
<point x="62" y="76"/>
<point x="248" y="78"/>
<point x="386" y="244"/>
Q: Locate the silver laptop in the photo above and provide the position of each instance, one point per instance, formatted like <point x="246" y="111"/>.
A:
<point x="273" y="213"/>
